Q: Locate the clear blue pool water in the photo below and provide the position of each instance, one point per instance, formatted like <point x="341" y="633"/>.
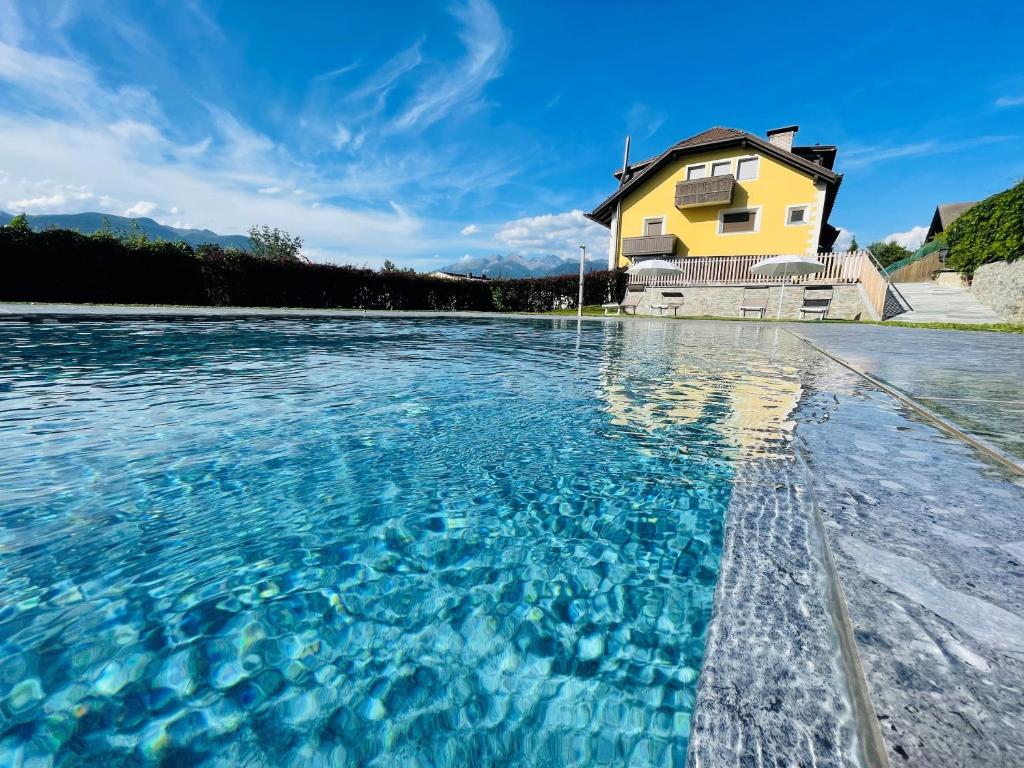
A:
<point x="357" y="542"/>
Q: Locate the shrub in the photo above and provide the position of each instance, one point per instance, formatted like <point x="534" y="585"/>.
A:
<point x="60" y="265"/>
<point x="993" y="230"/>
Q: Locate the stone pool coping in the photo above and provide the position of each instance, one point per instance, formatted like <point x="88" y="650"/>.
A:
<point x="943" y="423"/>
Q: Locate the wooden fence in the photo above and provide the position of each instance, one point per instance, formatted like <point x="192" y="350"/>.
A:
<point x="919" y="271"/>
<point x="735" y="270"/>
<point x="840" y="268"/>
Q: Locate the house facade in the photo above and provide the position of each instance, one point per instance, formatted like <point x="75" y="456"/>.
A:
<point x="723" y="192"/>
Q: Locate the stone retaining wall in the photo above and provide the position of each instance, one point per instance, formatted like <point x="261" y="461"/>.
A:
<point x="725" y="301"/>
<point x="1000" y="286"/>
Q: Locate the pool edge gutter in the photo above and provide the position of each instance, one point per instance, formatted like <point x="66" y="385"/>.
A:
<point x="940" y="421"/>
<point x="870" y="742"/>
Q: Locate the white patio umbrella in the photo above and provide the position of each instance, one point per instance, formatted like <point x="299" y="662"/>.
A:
<point x="786" y="266"/>
<point x="653" y="268"/>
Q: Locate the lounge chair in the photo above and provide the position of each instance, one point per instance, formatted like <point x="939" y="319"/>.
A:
<point x="754" y="300"/>
<point x="817" y="300"/>
<point x="629" y="302"/>
<point x="670" y="300"/>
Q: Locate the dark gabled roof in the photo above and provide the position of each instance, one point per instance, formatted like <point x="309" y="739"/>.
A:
<point x="945" y="214"/>
<point x="713" y="138"/>
<point x="822" y="154"/>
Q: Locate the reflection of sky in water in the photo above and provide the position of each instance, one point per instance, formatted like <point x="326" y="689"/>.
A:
<point x="366" y="541"/>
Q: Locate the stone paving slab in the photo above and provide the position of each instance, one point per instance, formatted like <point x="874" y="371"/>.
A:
<point x="972" y="378"/>
<point x="928" y="540"/>
<point x="934" y="303"/>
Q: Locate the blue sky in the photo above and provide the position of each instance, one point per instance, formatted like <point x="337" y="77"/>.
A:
<point x="426" y="132"/>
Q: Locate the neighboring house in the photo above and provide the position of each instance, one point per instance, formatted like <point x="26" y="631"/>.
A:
<point x="946" y="214"/>
<point x="458" y="276"/>
<point x="724" y="192"/>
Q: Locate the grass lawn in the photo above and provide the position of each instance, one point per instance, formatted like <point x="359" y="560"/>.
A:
<point x="596" y="311"/>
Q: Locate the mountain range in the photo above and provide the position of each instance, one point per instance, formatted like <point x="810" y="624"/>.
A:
<point x="520" y="266"/>
<point x="492" y="266"/>
<point x="87" y="223"/>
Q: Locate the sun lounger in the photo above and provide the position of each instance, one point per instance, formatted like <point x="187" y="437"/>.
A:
<point x="670" y="301"/>
<point x="629" y="302"/>
<point x="817" y="300"/>
<point x="754" y="300"/>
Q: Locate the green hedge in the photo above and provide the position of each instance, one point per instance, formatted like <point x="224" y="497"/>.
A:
<point x="65" y="266"/>
<point x="993" y="230"/>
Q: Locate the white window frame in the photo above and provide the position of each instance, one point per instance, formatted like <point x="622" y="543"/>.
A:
<point x="727" y="161"/>
<point x="643" y="225"/>
<point x="756" y="209"/>
<point x="748" y="157"/>
<point x="703" y="165"/>
<point x="807" y="215"/>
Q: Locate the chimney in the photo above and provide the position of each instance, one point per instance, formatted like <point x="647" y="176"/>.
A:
<point x="783" y="137"/>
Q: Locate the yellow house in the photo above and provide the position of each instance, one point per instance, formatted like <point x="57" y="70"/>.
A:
<point x="723" y="192"/>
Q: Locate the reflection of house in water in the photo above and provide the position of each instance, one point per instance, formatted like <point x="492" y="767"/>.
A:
<point x="741" y="395"/>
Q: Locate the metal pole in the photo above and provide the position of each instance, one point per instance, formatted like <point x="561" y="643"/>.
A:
<point x="782" y="291"/>
<point x="583" y="260"/>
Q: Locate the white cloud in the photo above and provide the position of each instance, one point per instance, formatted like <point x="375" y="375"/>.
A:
<point x="141" y="208"/>
<point x="486" y="46"/>
<point x="269" y="190"/>
<point x="1010" y="101"/>
<point x="911" y="239"/>
<point x="469" y="229"/>
<point x="75" y="133"/>
<point x="49" y="197"/>
<point x="555" y="233"/>
<point x="844" y="240"/>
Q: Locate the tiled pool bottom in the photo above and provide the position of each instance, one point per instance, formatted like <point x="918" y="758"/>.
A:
<point x="428" y="541"/>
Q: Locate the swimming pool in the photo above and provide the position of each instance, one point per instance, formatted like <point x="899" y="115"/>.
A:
<point x="428" y="541"/>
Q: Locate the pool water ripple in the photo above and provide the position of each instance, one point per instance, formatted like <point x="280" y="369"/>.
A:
<point x="364" y="542"/>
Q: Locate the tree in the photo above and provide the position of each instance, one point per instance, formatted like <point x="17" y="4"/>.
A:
<point x="854" y="245"/>
<point x="275" y="245"/>
<point x="390" y="266"/>
<point x="889" y="253"/>
<point x="104" y="232"/>
<point x="136" y="238"/>
<point x="19" y="225"/>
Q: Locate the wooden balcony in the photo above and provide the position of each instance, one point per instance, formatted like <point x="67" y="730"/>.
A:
<point x="651" y="245"/>
<point x="714" y="191"/>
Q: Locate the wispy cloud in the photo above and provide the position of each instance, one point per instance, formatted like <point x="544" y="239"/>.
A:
<point x="355" y="187"/>
<point x="1010" y="101"/>
<point x="643" y="120"/>
<point x="469" y="229"/>
<point x="863" y="156"/>
<point x="486" y="46"/>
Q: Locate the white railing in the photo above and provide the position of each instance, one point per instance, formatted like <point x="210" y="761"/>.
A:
<point x="735" y="270"/>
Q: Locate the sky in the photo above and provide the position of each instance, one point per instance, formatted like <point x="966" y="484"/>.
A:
<point x="428" y="132"/>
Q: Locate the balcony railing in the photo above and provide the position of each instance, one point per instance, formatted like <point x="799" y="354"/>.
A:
<point x="714" y="191"/>
<point x="651" y="245"/>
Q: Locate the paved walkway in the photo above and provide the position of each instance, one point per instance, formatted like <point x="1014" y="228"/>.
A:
<point x="933" y="303"/>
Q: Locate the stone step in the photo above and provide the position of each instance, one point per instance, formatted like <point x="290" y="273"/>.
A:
<point x="934" y="303"/>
